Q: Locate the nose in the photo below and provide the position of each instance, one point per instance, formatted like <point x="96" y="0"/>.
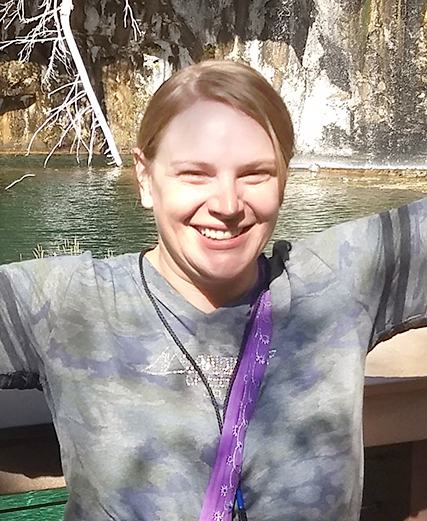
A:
<point x="226" y="202"/>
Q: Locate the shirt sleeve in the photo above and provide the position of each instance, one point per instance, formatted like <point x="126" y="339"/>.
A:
<point x="382" y="259"/>
<point x="31" y="294"/>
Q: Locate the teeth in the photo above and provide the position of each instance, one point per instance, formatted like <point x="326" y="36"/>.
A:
<point x="218" y="234"/>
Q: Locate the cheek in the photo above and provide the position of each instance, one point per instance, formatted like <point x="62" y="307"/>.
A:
<point x="271" y="220"/>
<point x="266" y="205"/>
<point x="176" y="203"/>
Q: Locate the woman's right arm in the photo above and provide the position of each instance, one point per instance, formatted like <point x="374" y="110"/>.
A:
<point x="31" y="294"/>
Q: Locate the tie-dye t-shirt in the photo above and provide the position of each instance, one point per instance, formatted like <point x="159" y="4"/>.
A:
<point x="137" y="430"/>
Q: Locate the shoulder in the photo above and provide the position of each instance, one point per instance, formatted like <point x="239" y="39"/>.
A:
<point x="56" y="274"/>
<point x="344" y="245"/>
<point x="88" y="271"/>
<point x="41" y="272"/>
<point x="114" y="265"/>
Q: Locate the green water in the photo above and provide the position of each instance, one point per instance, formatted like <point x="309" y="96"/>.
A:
<point x="99" y="207"/>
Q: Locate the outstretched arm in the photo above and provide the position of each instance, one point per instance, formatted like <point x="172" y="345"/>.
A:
<point x="31" y="294"/>
<point x="382" y="259"/>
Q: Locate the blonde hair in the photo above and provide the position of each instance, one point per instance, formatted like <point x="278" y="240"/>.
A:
<point x="228" y="82"/>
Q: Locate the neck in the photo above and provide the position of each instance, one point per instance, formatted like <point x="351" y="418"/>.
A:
<point x="207" y="296"/>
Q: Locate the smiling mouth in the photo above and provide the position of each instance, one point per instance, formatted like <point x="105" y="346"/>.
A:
<point x="221" y="235"/>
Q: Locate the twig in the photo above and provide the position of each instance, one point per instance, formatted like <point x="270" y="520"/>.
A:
<point x="128" y="12"/>
<point x="18" y="180"/>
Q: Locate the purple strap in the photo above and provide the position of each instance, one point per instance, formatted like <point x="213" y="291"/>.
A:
<point x="220" y="494"/>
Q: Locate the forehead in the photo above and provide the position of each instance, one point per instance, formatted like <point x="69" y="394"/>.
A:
<point x="210" y="129"/>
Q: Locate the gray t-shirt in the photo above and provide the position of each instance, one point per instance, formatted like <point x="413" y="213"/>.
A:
<point x="137" y="429"/>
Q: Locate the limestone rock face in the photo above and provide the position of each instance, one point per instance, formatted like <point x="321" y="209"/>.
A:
<point x="21" y="104"/>
<point x="353" y="72"/>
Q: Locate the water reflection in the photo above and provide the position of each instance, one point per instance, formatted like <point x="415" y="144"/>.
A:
<point x="99" y="206"/>
<point x="315" y="203"/>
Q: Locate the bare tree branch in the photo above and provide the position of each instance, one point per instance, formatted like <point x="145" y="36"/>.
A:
<point x="50" y="24"/>
<point x="128" y="13"/>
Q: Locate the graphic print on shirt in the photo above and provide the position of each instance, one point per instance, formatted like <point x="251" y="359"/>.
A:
<point x="217" y="369"/>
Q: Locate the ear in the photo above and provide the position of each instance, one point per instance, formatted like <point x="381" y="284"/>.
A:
<point x="143" y="178"/>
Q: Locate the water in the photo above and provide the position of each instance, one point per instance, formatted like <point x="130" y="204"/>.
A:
<point x="99" y="206"/>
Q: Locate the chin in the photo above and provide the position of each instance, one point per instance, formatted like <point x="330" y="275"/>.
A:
<point x="227" y="273"/>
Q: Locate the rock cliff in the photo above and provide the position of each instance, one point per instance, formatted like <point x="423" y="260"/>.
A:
<point x="353" y="72"/>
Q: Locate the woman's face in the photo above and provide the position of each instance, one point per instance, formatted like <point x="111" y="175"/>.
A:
<point x="215" y="195"/>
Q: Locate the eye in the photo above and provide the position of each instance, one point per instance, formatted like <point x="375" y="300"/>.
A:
<point x="194" y="176"/>
<point x="257" y="176"/>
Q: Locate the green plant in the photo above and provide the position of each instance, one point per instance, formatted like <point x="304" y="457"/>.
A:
<point x="65" y="247"/>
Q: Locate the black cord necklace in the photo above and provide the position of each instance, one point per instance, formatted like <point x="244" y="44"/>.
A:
<point x="240" y="504"/>
<point x="178" y="342"/>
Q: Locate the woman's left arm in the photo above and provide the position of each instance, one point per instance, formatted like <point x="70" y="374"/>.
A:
<point x="382" y="259"/>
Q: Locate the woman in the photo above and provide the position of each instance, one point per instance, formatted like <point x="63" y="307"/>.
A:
<point x="140" y="356"/>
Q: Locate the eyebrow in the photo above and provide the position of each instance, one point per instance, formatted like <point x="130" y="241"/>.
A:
<point x="203" y="164"/>
<point x="261" y="163"/>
